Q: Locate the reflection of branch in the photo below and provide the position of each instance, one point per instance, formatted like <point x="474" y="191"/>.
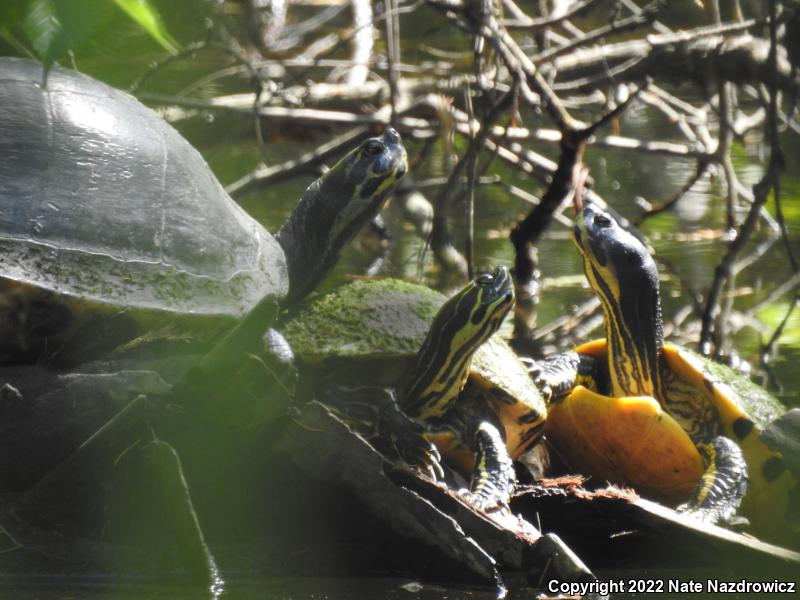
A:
<point x="297" y="114"/>
<point x="233" y="50"/>
<point x="695" y="299"/>
<point x="266" y="175"/>
<point x="770" y="181"/>
<point x="574" y="10"/>
<point x="702" y="168"/>
<point x="767" y="349"/>
<point x="724" y="271"/>
<point x="393" y="57"/>
<point x="565" y="329"/>
<point x="637" y="20"/>
<point x="776" y="149"/>
<point x="790" y="285"/>
<point x="160" y="64"/>
<point x="472" y="173"/>
<point x="441" y="243"/>
<point x="726" y="108"/>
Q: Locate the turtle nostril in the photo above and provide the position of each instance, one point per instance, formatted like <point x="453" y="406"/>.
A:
<point x="392" y="134"/>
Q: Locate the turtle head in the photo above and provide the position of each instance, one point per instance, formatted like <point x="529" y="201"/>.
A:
<point x="624" y="276"/>
<point x="336" y="206"/>
<point x="463" y="323"/>
<point x="491" y="295"/>
<point x="618" y="255"/>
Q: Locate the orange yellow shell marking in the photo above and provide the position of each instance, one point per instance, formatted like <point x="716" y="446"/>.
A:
<point x="629" y="441"/>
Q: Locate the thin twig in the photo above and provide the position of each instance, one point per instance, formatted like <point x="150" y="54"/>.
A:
<point x="471" y="176"/>
<point x="777" y="151"/>
<point x="393" y="56"/>
<point x="760" y="195"/>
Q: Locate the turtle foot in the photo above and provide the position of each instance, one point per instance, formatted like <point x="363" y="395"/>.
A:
<point x="374" y="413"/>
<point x="486" y="503"/>
<point x="557" y="376"/>
<point x="406" y="439"/>
<point x="722" y="487"/>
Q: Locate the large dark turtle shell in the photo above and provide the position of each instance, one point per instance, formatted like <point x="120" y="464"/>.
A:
<point x="105" y="208"/>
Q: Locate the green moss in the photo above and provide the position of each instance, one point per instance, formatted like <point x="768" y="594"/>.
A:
<point x="380" y="318"/>
<point x="756" y="401"/>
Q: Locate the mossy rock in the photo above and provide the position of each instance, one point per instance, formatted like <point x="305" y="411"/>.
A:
<point x="368" y="332"/>
<point x="385" y="318"/>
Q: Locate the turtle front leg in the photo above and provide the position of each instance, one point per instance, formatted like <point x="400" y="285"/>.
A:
<point x="558" y="375"/>
<point x="472" y="442"/>
<point x="724" y="483"/>
<point x="493" y="477"/>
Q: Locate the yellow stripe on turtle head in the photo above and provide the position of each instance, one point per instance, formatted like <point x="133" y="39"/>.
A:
<point x="463" y="323"/>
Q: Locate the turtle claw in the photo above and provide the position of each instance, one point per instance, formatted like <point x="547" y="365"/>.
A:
<point x="712" y="516"/>
<point x="540" y="378"/>
<point x="413" y="448"/>
<point x="435" y="471"/>
<point x="482" y="503"/>
<point x="373" y="412"/>
<point x="544" y="389"/>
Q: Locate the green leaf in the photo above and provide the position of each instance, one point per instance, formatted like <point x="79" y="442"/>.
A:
<point x="148" y="19"/>
<point x="52" y="28"/>
<point x="46" y="33"/>
<point x="55" y="27"/>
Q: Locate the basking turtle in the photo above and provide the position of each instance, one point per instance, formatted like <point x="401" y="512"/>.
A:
<point x="634" y="409"/>
<point x="465" y="390"/>
<point x="112" y="225"/>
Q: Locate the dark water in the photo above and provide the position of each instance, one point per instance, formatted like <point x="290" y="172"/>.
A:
<point x="689" y="237"/>
<point x="307" y="588"/>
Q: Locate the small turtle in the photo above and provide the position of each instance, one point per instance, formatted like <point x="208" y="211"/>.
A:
<point x="446" y="376"/>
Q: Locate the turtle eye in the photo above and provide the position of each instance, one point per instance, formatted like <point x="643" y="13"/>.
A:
<point x="602" y="220"/>
<point x="373" y="148"/>
<point x="484" y="279"/>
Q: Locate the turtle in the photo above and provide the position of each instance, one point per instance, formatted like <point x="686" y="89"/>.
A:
<point x="637" y="410"/>
<point x="112" y="226"/>
<point x="424" y="375"/>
